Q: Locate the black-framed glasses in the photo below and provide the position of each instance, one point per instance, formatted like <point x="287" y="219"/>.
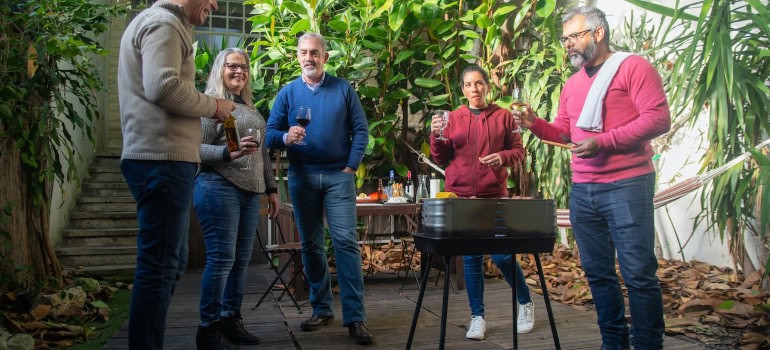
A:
<point x="234" y="66"/>
<point x="574" y="37"/>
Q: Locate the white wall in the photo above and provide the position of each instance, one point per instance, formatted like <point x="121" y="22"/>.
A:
<point x="64" y="196"/>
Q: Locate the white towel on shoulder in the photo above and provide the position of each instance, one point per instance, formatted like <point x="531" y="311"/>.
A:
<point x="591" y="116"/>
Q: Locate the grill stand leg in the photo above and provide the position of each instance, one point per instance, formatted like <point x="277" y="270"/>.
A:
<point x="425" y="270"/>
<point x="547" y="302"/>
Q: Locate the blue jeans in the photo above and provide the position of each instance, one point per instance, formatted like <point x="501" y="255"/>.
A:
<point x="310" y="195"/>
<point x="473" y="266"/>
<point x="228" y="217"/>
<point x="617" y="217"/>
<point x="163" y="194"/>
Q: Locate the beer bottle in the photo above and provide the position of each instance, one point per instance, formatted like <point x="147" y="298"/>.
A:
<point x="232" y="134"/>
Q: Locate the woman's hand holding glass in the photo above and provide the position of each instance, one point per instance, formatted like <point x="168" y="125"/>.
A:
<point x="250" y="142"/>
<point x="438" y="123"/>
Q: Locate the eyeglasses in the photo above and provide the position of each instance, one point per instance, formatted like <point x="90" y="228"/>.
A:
<point x="574" y="37"/>
<point x="234" y="67"/>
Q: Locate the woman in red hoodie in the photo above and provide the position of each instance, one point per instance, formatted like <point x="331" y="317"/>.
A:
<point x="480" y="144"/>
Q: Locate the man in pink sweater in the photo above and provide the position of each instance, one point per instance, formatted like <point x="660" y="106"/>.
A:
<point x="613" y="176"/>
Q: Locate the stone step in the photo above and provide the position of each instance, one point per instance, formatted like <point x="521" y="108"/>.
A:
<point x="94" y="256"/>
<point x="95" y="219"/>
<point x="105" y="189"/>
<point x="99" y="237"/>
<point x="109" y="177"/>
<point x="111" y="162"/>
<point x="106" y="203"/>
<point x="102" y="166"/>
<point x="103" y="270"/>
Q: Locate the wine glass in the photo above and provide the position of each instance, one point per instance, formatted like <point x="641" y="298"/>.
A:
<point x="303" y="119"/>
<point x="257" y="139"/>
<point x="444" y="122"/>
<point x="520" y="104"/>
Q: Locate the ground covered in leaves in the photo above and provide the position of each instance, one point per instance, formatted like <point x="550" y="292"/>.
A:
<point x="713" y="305"/>
<point x="61" y="317"/>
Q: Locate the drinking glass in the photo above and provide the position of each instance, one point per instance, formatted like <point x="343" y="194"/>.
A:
<point x="303" y="119"/>
<point x="519" y="103"/>
<point x="444" y="122"/>
<point x="257" y="135"/>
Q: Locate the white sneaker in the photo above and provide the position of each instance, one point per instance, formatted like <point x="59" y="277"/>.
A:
<point x="526" y="319"/>
<point x="476" y="328"/>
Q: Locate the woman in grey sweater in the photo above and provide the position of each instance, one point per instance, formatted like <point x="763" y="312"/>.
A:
<point x="226" y="199"/>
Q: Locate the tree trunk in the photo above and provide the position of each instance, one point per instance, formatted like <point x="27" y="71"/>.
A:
<point x="26" y="254"/>
<point x="16" y="252"/>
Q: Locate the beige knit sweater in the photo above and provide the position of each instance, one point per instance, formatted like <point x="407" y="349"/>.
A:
<point x="160" y="110"/>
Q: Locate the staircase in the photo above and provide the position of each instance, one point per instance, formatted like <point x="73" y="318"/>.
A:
<point x="101" y="236"/>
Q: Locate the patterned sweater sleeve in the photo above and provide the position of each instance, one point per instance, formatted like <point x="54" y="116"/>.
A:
<point x="210" y="153"/>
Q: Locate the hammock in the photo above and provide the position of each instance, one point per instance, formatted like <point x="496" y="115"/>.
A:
<point x="676" y="191"/>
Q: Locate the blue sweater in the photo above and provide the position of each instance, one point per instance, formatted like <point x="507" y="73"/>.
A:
<point x="337" y="134"/>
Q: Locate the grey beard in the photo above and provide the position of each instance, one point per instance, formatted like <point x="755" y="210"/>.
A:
<point x="579" y="60"/>
<point x="309" y="72"/>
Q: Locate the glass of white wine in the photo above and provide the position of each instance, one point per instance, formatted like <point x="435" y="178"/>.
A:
<point x="444" y="122"/>
<point x="519" y="103"/>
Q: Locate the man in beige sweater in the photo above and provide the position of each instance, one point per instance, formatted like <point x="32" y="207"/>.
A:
<point x="160" y="113"/>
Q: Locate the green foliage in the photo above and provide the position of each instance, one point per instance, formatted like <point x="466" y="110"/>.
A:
<point x="36" y="105"/>
<point x="721" y="66"/>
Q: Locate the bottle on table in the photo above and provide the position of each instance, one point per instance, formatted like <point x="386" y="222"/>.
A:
<point x="422" y="188"/>
<point x="379" y="190"/>
<point x="409" y="189"/>
<point x="391" y="182"/>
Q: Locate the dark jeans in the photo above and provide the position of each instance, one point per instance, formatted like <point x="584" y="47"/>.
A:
<point x="336" y="194"/>
<point x="163" y="194"/>
<point x="617" y="217"/>
<point x="228" y="217"/>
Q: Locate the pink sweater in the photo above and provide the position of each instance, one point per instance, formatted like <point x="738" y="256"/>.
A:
<point x="635" y="111"/>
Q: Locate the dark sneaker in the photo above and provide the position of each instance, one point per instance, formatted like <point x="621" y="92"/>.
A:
<point x="232" y="329"/>
<point x="315" y="322"/>
<point x="211" y="338"/>
<point x="360" y="332"/>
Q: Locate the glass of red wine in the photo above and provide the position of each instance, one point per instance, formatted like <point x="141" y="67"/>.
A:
<point x="303" y="119"/>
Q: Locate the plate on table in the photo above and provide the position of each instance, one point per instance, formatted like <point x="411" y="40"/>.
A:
<point x="397" y="200"/>
<point x="366" y="200"/>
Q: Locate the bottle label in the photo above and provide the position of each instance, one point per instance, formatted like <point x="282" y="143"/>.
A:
<point x="232" y="135"/>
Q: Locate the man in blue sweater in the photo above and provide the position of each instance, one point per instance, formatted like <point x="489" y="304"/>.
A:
<point x="323" y="157"/>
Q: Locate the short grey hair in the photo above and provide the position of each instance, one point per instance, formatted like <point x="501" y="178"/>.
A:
<point x="594" y="17"/>
<point x="312" y="35"/>
<point x="215" y="86"/>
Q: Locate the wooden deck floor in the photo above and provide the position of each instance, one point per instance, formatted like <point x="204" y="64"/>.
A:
<point x="389" y="314"/>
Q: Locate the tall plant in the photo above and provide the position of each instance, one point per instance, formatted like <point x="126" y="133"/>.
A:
<point x="45" y="77"/>
<point x="721" y="69"/>
<point x="405" y="58"/>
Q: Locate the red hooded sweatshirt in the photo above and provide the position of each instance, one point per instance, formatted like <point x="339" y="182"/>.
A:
<point x="471" y="137"/>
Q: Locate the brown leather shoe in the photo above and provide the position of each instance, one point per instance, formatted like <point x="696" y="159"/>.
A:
<point x="360" y="332"/>
<point x="315" y="322"/>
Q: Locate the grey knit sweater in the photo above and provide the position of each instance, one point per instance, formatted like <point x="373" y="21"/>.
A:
<point x="214" y="157"/>
<point x="160" y="110"/>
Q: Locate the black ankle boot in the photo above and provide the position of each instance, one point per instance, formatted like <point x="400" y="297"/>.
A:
<point x="232" y="329"/>
<point x="211" y="338"/>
